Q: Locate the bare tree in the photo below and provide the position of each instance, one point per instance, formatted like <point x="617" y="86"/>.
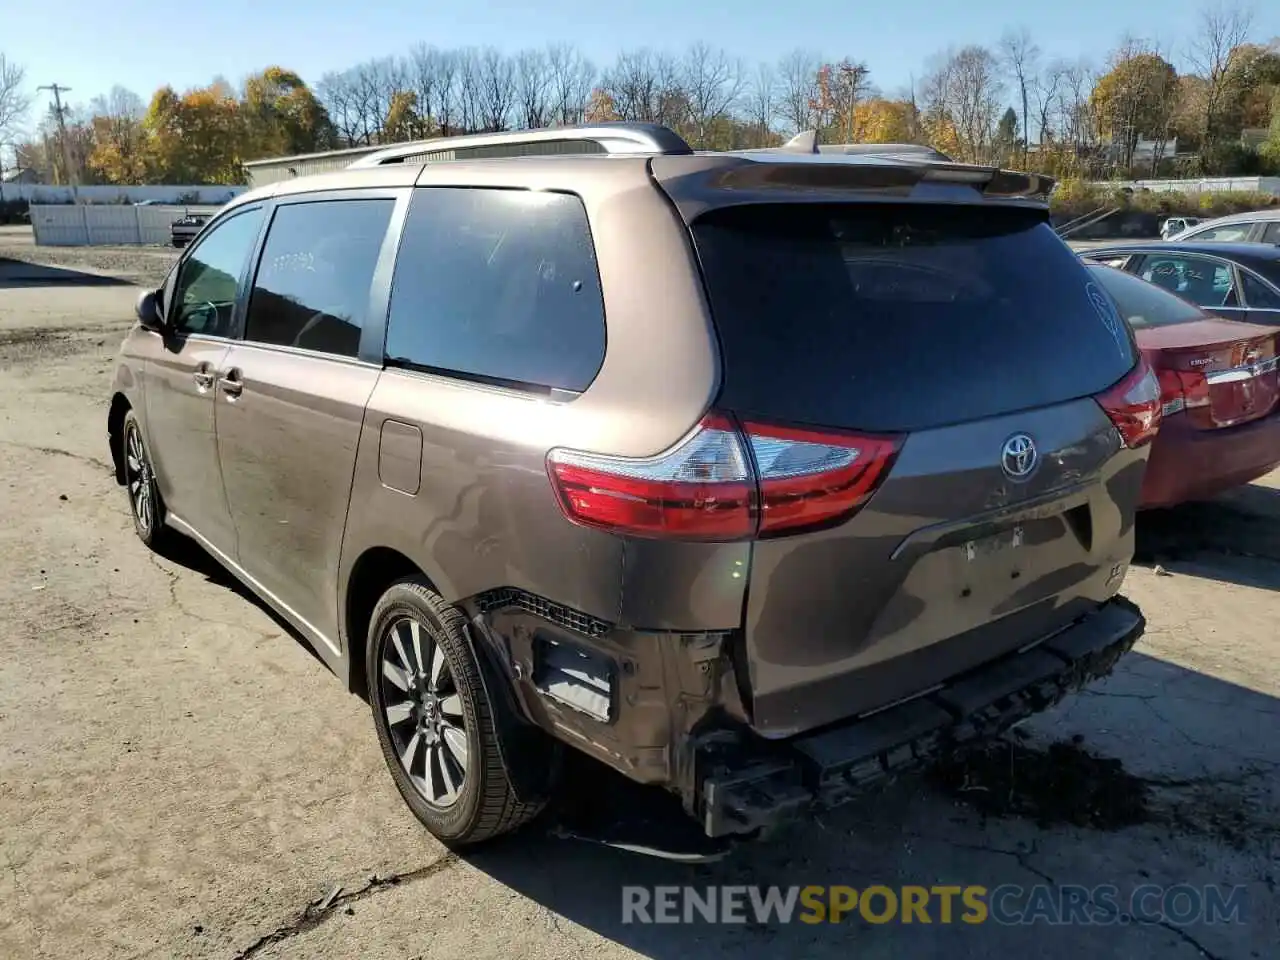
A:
<point x="962" y="98"/>
<point x="571" y="78"/>
<point x="14" y="101"/>
<point x="1021" y="58"/>
<point x="1213" y="54"/>
<point x="798" y="71"/>
<point x="444" y="106"/>
<point x="1045" y="85"/>
<point x="373" y="88"/>
<point x="533" y="83"/>
<point x="762" y="102"/>
<point x="1076" y="117"/>
<point x="423" y="80"/>
<point x="497" y="89"/>
<point x="711" y="82"/>
<point x="337" y="91"/>
<point x="644" y="86"/>
<point x="467" y="92"/>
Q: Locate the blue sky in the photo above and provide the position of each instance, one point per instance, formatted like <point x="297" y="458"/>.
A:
<point x="140" y="44"/>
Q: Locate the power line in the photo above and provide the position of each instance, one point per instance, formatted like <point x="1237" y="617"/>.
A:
<point x="58" y="91"/>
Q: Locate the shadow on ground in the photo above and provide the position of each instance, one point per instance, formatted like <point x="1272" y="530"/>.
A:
<point x="182" y="550"/>
<point x="19" y="273"/>
<point x="1243" y="523"/>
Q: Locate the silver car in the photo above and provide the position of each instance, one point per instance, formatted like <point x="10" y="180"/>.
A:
<point x="1258" y="226"/>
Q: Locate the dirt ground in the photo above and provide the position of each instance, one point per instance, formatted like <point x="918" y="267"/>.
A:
<point x="179" y="777"/>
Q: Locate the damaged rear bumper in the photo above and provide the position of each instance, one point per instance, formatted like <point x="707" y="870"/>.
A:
<point x="746" y="784"/>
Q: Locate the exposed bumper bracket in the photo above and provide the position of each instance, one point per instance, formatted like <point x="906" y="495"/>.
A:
<point x="746" y="784"/>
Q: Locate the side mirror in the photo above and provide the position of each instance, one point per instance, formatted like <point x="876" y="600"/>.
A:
<point x="148" y="310"/>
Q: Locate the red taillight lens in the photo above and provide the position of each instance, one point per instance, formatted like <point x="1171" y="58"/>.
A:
<point x="700" y="489"/>
<point x="811" y="478"/>
<point x="707" y="487"/>
<point x="1182" y="390"/>
<point x="1134" y="405"/>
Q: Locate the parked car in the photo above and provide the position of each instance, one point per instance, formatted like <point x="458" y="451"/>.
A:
<point x="183" y="230"/>
<point x="1239" y="281"/>
<point x="1218" y="388"/>
<point x="1175" y="225"/>
<point x="1260" y="226"/>
<point x="743" y="474"/>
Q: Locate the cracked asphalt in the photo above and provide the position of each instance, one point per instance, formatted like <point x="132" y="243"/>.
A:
<point x="180" y="777"/>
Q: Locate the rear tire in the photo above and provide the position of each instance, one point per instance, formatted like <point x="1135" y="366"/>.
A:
<point x="434" y="720"/>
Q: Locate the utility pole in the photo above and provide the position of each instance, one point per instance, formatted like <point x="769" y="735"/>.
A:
<point x="58" y="91"/>
<point x="853" y="74"/>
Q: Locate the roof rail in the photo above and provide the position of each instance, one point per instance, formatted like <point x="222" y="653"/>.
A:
<point x="612" y="137"/>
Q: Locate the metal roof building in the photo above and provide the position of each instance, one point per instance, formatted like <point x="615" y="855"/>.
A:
<point x="274" y="169"/>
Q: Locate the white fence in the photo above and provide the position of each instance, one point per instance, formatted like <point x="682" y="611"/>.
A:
<point x="176" y="194"/>
<point x="84" y="224"/>
<point x="1202" y="185"/>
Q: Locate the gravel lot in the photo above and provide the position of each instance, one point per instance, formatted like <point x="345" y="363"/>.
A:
<point x="145" y="266"/>
<point x="179" y="777"/>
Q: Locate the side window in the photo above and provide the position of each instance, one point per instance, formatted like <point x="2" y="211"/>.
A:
<point x="205" y="295"/>
<point x="1272" y="233"/>
<point x="1117" y="262"/>
<point x="498" y="285"/>
<point x="313" y="281"/>
<point x="1201" y="281"/>
<point x="1227" y="233"/>
<point x="1257" y="293"/>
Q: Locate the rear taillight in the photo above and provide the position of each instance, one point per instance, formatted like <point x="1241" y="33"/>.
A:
<point x="708" y="487"/>
<point x="1182" y="390"/>
<point x="1134" y="405"/>
<point x="810" y="478"/>
<point x="700" y="489"/>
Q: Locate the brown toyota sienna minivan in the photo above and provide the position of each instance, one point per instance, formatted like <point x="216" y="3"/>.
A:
<point x="755" y="475"/>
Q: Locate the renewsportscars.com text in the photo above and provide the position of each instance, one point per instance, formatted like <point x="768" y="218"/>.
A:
<point x="1065" y="904"/>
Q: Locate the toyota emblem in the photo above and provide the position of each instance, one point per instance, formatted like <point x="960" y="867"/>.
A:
<point x="1018" y="457"/>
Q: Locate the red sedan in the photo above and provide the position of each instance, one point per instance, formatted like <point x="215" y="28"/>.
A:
<point x="1220" y="391"/>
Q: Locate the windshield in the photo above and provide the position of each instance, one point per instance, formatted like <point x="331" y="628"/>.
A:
<point x="1144" y="304"/>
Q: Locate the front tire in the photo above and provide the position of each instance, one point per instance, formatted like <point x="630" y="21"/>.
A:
<point x="145" y="504"/>
<point x="435" y="724"/>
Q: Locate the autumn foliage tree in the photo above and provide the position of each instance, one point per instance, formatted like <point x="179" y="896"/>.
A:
<point x="282" y="116"/>
<point x="120" y="150"/>
<point x="195" y="137"/>
<point x="1136" y="100"/>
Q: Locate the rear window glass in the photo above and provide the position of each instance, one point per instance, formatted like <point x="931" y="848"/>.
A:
<point x="1227" y="233"/>
<point x="1144" y="304"/>
<point x="898" y="317"/>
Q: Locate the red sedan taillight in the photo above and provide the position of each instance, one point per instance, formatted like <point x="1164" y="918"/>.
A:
<point x="725" y="482"/>
<point x="1182" y="390"/>
<point x="1134" y="405"/>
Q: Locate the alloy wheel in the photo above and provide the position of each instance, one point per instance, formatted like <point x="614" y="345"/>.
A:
<point x="424" y="711"/>
<point x="138" y="476"/>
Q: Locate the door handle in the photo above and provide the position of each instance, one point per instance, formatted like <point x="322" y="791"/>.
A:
<point x="203" y="377"/>
<point x="232" y="383"/>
